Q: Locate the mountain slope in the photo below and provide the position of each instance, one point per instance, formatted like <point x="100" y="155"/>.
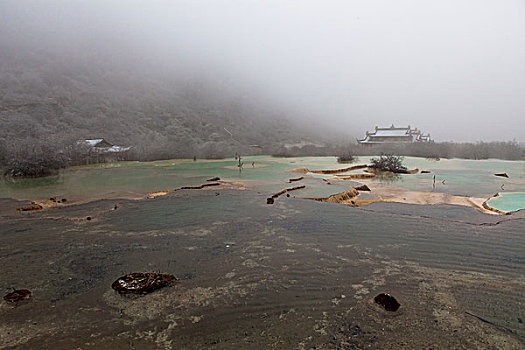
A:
<point x="161" y="113"/>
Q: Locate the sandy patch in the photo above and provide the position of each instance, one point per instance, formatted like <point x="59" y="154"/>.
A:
<point x="398" y="195"/>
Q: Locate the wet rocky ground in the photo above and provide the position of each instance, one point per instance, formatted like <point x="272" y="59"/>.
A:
<point x="297" y="274"/>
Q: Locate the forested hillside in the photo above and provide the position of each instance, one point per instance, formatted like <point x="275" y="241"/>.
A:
<point x="55" y="100"/>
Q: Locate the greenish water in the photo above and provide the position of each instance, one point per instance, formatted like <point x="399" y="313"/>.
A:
<point x="463" y="177"/>
<point x="508" y="201"/>
<point x="135" y="179"/>
<point x="304" y="272"/>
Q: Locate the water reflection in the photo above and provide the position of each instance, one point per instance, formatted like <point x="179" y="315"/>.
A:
<point x="22" y="183"/>
<point x="387" y="177"/>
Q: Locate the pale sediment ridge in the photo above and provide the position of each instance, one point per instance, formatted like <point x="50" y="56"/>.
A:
<point x="283" y="191"/>
<point x="343" y="170"/>
<point x="295" y="179"/>
<point x="397" y="195"/>
<point x="165" y="192"/>
<point x="271" y="200"/>
<point x="407" y="172"/>
<point x="328" y="171"/>
<point x="488" y="207"/>
<point x="299" y="170"/>
<point x="43" y="204"/>
<point x="56" y="203"/>
<point x="217" y="185"/>
<point x="354" y="177"/>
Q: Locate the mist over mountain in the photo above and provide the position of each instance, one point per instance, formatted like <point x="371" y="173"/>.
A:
<point x="177" y="77"/>
<point x="64" y="77"/>
<point x="158" y="111"/>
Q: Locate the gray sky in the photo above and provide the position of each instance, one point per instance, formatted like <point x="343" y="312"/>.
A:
<point x="455" y="68"/>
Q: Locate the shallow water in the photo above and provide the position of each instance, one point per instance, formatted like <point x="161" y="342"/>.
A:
<point x="508" y="201"/>
<point x="257" y="276"/>
<point x="298" y="274"/>
<point x="134" y="179"/>
<point x="474" y="178"/>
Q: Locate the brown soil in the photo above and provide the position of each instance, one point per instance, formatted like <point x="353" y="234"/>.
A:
<point x="31" y="207"/>
<point x="346" y="197"/>
<point x="18" y="295"/>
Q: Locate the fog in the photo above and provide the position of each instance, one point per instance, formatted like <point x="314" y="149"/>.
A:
<point x="455" y="69"/>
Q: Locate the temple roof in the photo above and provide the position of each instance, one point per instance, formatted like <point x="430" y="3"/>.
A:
<point x="393" y="134"/>
<point x="93" y="142"/>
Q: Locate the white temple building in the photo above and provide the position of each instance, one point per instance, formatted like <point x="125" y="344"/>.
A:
<point x="394" y="135"/>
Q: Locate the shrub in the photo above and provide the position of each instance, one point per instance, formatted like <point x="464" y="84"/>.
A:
<point x="346" y="158"/>
<point x="389" y="162"/>
<point x="33" y="159"/>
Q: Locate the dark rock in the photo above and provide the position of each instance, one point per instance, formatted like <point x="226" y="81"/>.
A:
<point x="502" y="175"/>
<point x="214" y="179"/>
<point x="425" y="172"/>
<point x="270" y="200"/>
<point x="142" y="283"/>
<point x="88" y="218"/>
<point x="18" y="295"/>
<point x="64" y="200"/>
<point x="362" y="188"/>
<point x="388" y="302"/>
<point x="200" y="187"/>
<point x="31" y="207"/>
<point x="287" y="195"/>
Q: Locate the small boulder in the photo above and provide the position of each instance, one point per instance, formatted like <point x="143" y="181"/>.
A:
<point x="425" y="172"/>
<point x="362" y="188"/>
<point x="18" y="295"/>
<point x="142" y="283"/>
<point x="216" y="178"/>
<point x="270" y="200"/>
<point x="387" y="301"/>
<point x="502" y="175"/>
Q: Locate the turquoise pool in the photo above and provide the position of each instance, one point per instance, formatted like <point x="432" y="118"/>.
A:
<point x="474" y="178"/>
<point x="511" y="201"/>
